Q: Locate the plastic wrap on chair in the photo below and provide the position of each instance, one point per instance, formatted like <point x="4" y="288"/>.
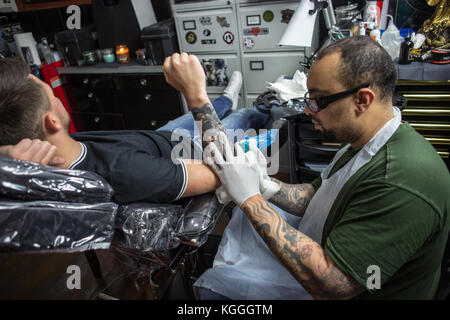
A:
<point x="30" y="181"/>
<point x="199" y="219"/>
<point x="56" y="226"/>
<point x="148" y="228"/>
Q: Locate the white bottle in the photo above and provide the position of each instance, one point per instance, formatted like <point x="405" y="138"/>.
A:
<point x="362" y="30"/>
<point x="371" y="11"/>
<point x="55" y="53"/>
<point x="375" y="34"/>
<point x="45" y="51"/>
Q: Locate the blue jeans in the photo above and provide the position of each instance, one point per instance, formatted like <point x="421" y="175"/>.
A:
<point x="245" y="118"/>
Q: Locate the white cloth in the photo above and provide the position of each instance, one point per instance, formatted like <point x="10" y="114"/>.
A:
<point x="244" y="268"/>
<point x="288" y="89"/>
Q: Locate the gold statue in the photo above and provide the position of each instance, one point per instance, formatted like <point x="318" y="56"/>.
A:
<point x="436" y="28"/>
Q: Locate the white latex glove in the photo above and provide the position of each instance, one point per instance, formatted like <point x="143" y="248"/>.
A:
<point x="240" y="181"/>
<point x="267" y="187"/>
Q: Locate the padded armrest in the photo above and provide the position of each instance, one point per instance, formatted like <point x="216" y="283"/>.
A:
<point x="50" y="209"/>
<point x="151" y="232"/>
<point x="199" y="219"/>
<point x="30" y="181"/>
<point x="40" y="226"/>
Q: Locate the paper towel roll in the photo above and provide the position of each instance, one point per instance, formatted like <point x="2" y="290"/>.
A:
<point x="26" y="45"/>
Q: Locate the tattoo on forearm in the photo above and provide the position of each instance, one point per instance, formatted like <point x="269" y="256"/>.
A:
<point x="303" y="258"/>
<point x="210" y="122"/>
<point x="293" y="198"/>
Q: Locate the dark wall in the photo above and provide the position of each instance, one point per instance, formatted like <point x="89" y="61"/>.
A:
<point x="45" y="23"/>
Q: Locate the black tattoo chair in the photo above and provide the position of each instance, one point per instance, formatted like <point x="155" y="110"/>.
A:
<point x="66" y="215"/>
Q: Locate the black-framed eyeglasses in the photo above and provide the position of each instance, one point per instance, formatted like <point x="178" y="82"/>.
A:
<point x="320" y="103"/>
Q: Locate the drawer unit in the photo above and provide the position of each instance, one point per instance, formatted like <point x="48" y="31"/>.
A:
<point x="428" y="112"/>
<point x="121" y="101"/>
<point x="92" y="121"/>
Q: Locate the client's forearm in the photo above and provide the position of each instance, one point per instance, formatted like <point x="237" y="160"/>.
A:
<point x="201" y="179"/>
<point x="293" y="198"/>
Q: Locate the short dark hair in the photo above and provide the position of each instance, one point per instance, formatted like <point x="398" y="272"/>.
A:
<point x="363" y="60"/>
<point x="23" y="101"/>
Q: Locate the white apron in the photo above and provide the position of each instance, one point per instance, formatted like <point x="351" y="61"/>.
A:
<point x="244" y="267"/>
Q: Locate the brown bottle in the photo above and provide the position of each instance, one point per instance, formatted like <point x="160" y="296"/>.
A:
<point x="406" y="48"/>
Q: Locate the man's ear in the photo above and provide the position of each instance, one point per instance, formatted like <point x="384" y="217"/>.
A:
<point x="364" y="99"/>
<point x="51" y="123"/>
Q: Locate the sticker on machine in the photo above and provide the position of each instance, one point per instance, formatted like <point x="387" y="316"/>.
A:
<point x="205" y="21"/>
<point x="55" y="82"/>
<point x="191" y="37"/>
<point x="256" y="31"/>
<point x="209" y="41"/>
<point x="249" y="43"/>
<point x="215" y="72"/>
<point x="268" y="16"/>
<point x="223" y="22"/>
<point x="286" y="15"/>
<point x="228" y="37"/>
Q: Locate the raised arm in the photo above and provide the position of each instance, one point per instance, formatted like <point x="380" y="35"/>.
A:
<point x="185" y="73"/>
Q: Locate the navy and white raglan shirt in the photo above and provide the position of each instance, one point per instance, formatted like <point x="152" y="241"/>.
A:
<point x="137" y="164"/>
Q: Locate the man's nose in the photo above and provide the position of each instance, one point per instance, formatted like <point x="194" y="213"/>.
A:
<point x="308" y="111"/>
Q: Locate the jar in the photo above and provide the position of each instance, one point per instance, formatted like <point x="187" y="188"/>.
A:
<point x="122" y="53"/>
<point x="89" y="57"/>
<point x="108" y="55"/>
<point x="141" y="56"/>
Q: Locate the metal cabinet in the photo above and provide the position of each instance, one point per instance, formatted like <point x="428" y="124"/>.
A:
<point x="428" y="112"/>
<point x="242" y="35"/>
<point x="121" y="101"/>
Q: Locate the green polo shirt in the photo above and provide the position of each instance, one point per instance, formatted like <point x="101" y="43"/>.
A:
<point x="393" y="213"/>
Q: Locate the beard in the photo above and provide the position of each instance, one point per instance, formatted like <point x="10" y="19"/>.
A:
<point x="345" y="134"/>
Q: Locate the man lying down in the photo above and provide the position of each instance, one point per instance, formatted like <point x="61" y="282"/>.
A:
<point x="138" y="164"/>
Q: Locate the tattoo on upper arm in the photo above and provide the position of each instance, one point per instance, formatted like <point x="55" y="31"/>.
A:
<point x="210" y="122"/>
<point x="293" y="198"/>
<point x="303" y="258"/>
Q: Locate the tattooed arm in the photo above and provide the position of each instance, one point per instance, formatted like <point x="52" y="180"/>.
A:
<point x="303" y="258"/>
<point x="185" y="73"/>
<point x="293" y="198"/>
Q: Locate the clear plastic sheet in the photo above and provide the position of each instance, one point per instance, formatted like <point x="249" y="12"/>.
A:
<point x="199" y="219"/>
<point x="30" y="181"/>
<point x="56" y="226"/>
<point x="151" y="236"/>
<point x="148" y="227"/>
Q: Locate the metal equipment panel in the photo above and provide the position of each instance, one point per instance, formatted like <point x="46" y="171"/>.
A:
<point x="267" y="67"/>
<point x="207" y="30"/>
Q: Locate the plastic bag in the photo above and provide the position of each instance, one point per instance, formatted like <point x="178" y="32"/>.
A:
<point x="391" y="40"/>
